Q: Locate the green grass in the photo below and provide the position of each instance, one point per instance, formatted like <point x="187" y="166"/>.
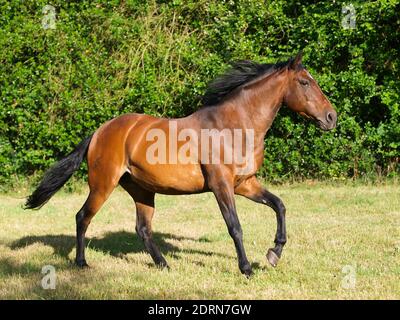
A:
<point x="329" y="227"/>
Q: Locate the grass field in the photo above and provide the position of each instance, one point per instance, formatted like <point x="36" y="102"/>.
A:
<point x="331" y="230"/>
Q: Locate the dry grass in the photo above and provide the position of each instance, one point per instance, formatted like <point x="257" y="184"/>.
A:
<point x="329" y="227"/>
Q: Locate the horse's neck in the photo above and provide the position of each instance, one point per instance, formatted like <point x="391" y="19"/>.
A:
<point x="254" y="107"/>
<point x="260" y="102"/>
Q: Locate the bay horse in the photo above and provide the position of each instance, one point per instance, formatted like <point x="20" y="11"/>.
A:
<point x="248" y="96"/>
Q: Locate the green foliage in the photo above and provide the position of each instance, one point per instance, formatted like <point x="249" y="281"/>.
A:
<point x="106" y="58"/>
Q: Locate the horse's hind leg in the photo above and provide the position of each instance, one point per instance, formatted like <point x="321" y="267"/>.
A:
<point x="144" y="215"/>
<point x="144" y="201"/>
<point x="101" y="184"/>
<point x="83" y="218"/>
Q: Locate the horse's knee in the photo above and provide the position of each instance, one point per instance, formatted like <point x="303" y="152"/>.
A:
<point x="280" y="206"/>
<point x="236" y="232"/>
<point x="143" y="232"/>
<point x="275" y="203"/>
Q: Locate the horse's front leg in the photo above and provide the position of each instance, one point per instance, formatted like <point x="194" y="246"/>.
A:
<point x="222" y="187"/>
<point x="253" y="190"/>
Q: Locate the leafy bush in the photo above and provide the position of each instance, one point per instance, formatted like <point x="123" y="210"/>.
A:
<point x="106" y="58"/>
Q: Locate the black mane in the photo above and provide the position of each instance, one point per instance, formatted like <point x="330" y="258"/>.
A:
<point x="241" y="72"/>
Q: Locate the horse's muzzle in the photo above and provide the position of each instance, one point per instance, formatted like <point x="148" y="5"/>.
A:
<point x="329" y="122"/>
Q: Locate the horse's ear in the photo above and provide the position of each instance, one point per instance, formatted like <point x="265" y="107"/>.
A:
<point x="294" y="63"/>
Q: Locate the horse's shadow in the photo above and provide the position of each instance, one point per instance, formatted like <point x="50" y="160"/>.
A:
<point x="117" y="244"/>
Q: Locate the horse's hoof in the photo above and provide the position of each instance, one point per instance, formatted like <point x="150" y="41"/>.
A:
<point x="81" y="264"/>
<point x="247" y="271"/>
<point x="163" y="265"/>
<point x="272" y="258"/>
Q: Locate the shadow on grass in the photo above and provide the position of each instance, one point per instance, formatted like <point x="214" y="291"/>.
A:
<point x="9" y="267"/>
<point x="116" y="244"/>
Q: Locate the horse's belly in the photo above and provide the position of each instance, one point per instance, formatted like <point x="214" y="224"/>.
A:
<point x="169" y="179"/>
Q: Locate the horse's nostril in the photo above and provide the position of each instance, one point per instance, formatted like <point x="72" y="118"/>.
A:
<point x="330" y="117"/>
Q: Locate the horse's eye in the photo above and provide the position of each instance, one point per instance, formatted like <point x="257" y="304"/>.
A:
<point x="305" y="83"/>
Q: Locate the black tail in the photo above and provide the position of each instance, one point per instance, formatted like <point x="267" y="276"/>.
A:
<point x="57" y="176"/>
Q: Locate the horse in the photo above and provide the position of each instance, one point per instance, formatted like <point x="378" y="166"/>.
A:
<point x="247" y="97"/>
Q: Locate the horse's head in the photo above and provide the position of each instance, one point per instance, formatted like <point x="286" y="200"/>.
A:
<point x="304" y="96"/>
